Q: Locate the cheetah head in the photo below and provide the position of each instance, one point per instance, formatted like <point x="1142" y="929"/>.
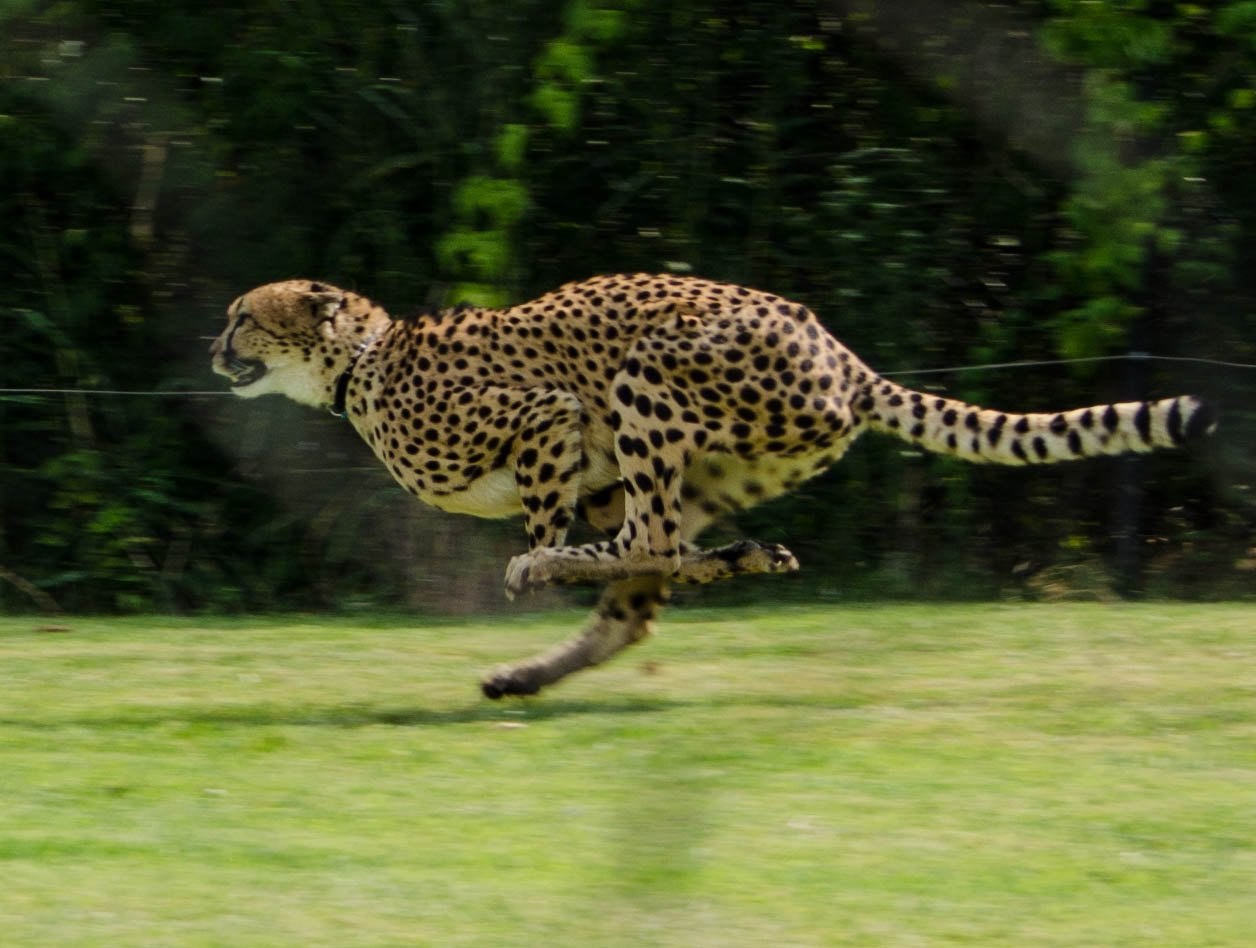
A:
<point x="282" y="338"/>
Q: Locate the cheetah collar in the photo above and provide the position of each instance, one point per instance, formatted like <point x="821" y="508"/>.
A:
<point x="338" y="407"/>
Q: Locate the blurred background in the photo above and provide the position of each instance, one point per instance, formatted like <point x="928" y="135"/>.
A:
<point x="949" y="185"/>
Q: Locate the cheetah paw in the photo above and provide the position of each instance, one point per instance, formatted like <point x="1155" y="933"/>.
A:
<point x="509" y="681"/>
<point x="750" y="556"/>
<point x="519" y="576"/>
<point x="535" y="570"/>
<point x="768" y="558"/>
<point x="736" y="559"/>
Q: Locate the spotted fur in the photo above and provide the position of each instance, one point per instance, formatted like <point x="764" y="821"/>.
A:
<point x="648" y="405"/>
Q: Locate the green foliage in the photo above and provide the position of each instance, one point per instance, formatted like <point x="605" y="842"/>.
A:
<point x="157" y="160"/>
<point x="480" y="249"/>
<point x="1116" y="36"/>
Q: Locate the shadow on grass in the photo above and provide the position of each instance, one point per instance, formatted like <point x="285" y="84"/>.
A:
<point x="348" y="716"/>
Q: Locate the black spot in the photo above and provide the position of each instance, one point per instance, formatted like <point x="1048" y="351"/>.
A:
<point x="1058" y="425"/>
<point x="1075" y="442"/>
<point x="1111" y="419"/>
<point x="971" y="421"/>
<point x="950" y="417"/>
<point x="1175" y="421"/>
<point x="1019" y="450"/>
<point x="1040" y="447"/>
<point x="624" y="394"/>
<point x="1087" y="419"/>
<point x="1142" y="422"/>
<point x="1021" y="426"/>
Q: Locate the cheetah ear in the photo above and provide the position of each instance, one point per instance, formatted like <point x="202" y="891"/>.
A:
<point x="324" y="302"/>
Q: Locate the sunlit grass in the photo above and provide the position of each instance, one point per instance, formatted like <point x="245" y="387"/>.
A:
<point x="995" y="775"/>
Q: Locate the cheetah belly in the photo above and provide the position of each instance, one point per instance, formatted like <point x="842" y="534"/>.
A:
<point x="493" y="495"/>
<point x="725" y="483"/>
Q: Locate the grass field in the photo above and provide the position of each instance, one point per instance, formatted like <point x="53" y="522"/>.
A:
<point x="1080" y="775"/>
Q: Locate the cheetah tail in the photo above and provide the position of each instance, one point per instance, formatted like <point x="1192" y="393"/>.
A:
<point x="947" y="426"/>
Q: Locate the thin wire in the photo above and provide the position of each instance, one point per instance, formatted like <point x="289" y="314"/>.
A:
<point x="983" y="367"/>
<point x="1036" y="363"/>
<point x="109" y="391"/>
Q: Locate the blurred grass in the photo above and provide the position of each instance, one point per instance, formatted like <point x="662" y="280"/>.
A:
<point x="990" y="775"/>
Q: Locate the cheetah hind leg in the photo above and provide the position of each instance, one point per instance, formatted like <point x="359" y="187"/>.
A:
<point x="699" y="565"/>
<point x="628" y="607"/>
<point x="625" y="615"/>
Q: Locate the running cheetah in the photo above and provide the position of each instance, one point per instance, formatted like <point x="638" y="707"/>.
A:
<point x="647" y="405"/>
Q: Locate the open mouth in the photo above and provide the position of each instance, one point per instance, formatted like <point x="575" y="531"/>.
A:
<point x="245" y="371"/>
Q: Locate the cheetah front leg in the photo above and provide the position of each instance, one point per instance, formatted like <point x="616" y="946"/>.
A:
<point x="605" y="510"/>
<point x="696" y="565"/>
<point x="654" y="445"/>
<point x="651" y="465"/>
<point x="547" y="458"/>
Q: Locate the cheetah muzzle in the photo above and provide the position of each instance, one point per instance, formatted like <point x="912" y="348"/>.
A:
<point x="649" y="406"/>
<point x="245" y="371"/>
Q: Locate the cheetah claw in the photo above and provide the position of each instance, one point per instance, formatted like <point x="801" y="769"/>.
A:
<point x="528" y="572"/>
<point x="780" y="559"/>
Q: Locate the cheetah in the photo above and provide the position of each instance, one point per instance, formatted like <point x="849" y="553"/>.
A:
<point x="648" y="406"/>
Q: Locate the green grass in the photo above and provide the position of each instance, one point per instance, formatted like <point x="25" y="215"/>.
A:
<point x="980" y="775"/>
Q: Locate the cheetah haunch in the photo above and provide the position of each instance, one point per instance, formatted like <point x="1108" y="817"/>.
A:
<point x="649" y="406"/>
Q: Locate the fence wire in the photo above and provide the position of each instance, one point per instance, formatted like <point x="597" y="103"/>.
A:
<point x="939" y="370"/>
